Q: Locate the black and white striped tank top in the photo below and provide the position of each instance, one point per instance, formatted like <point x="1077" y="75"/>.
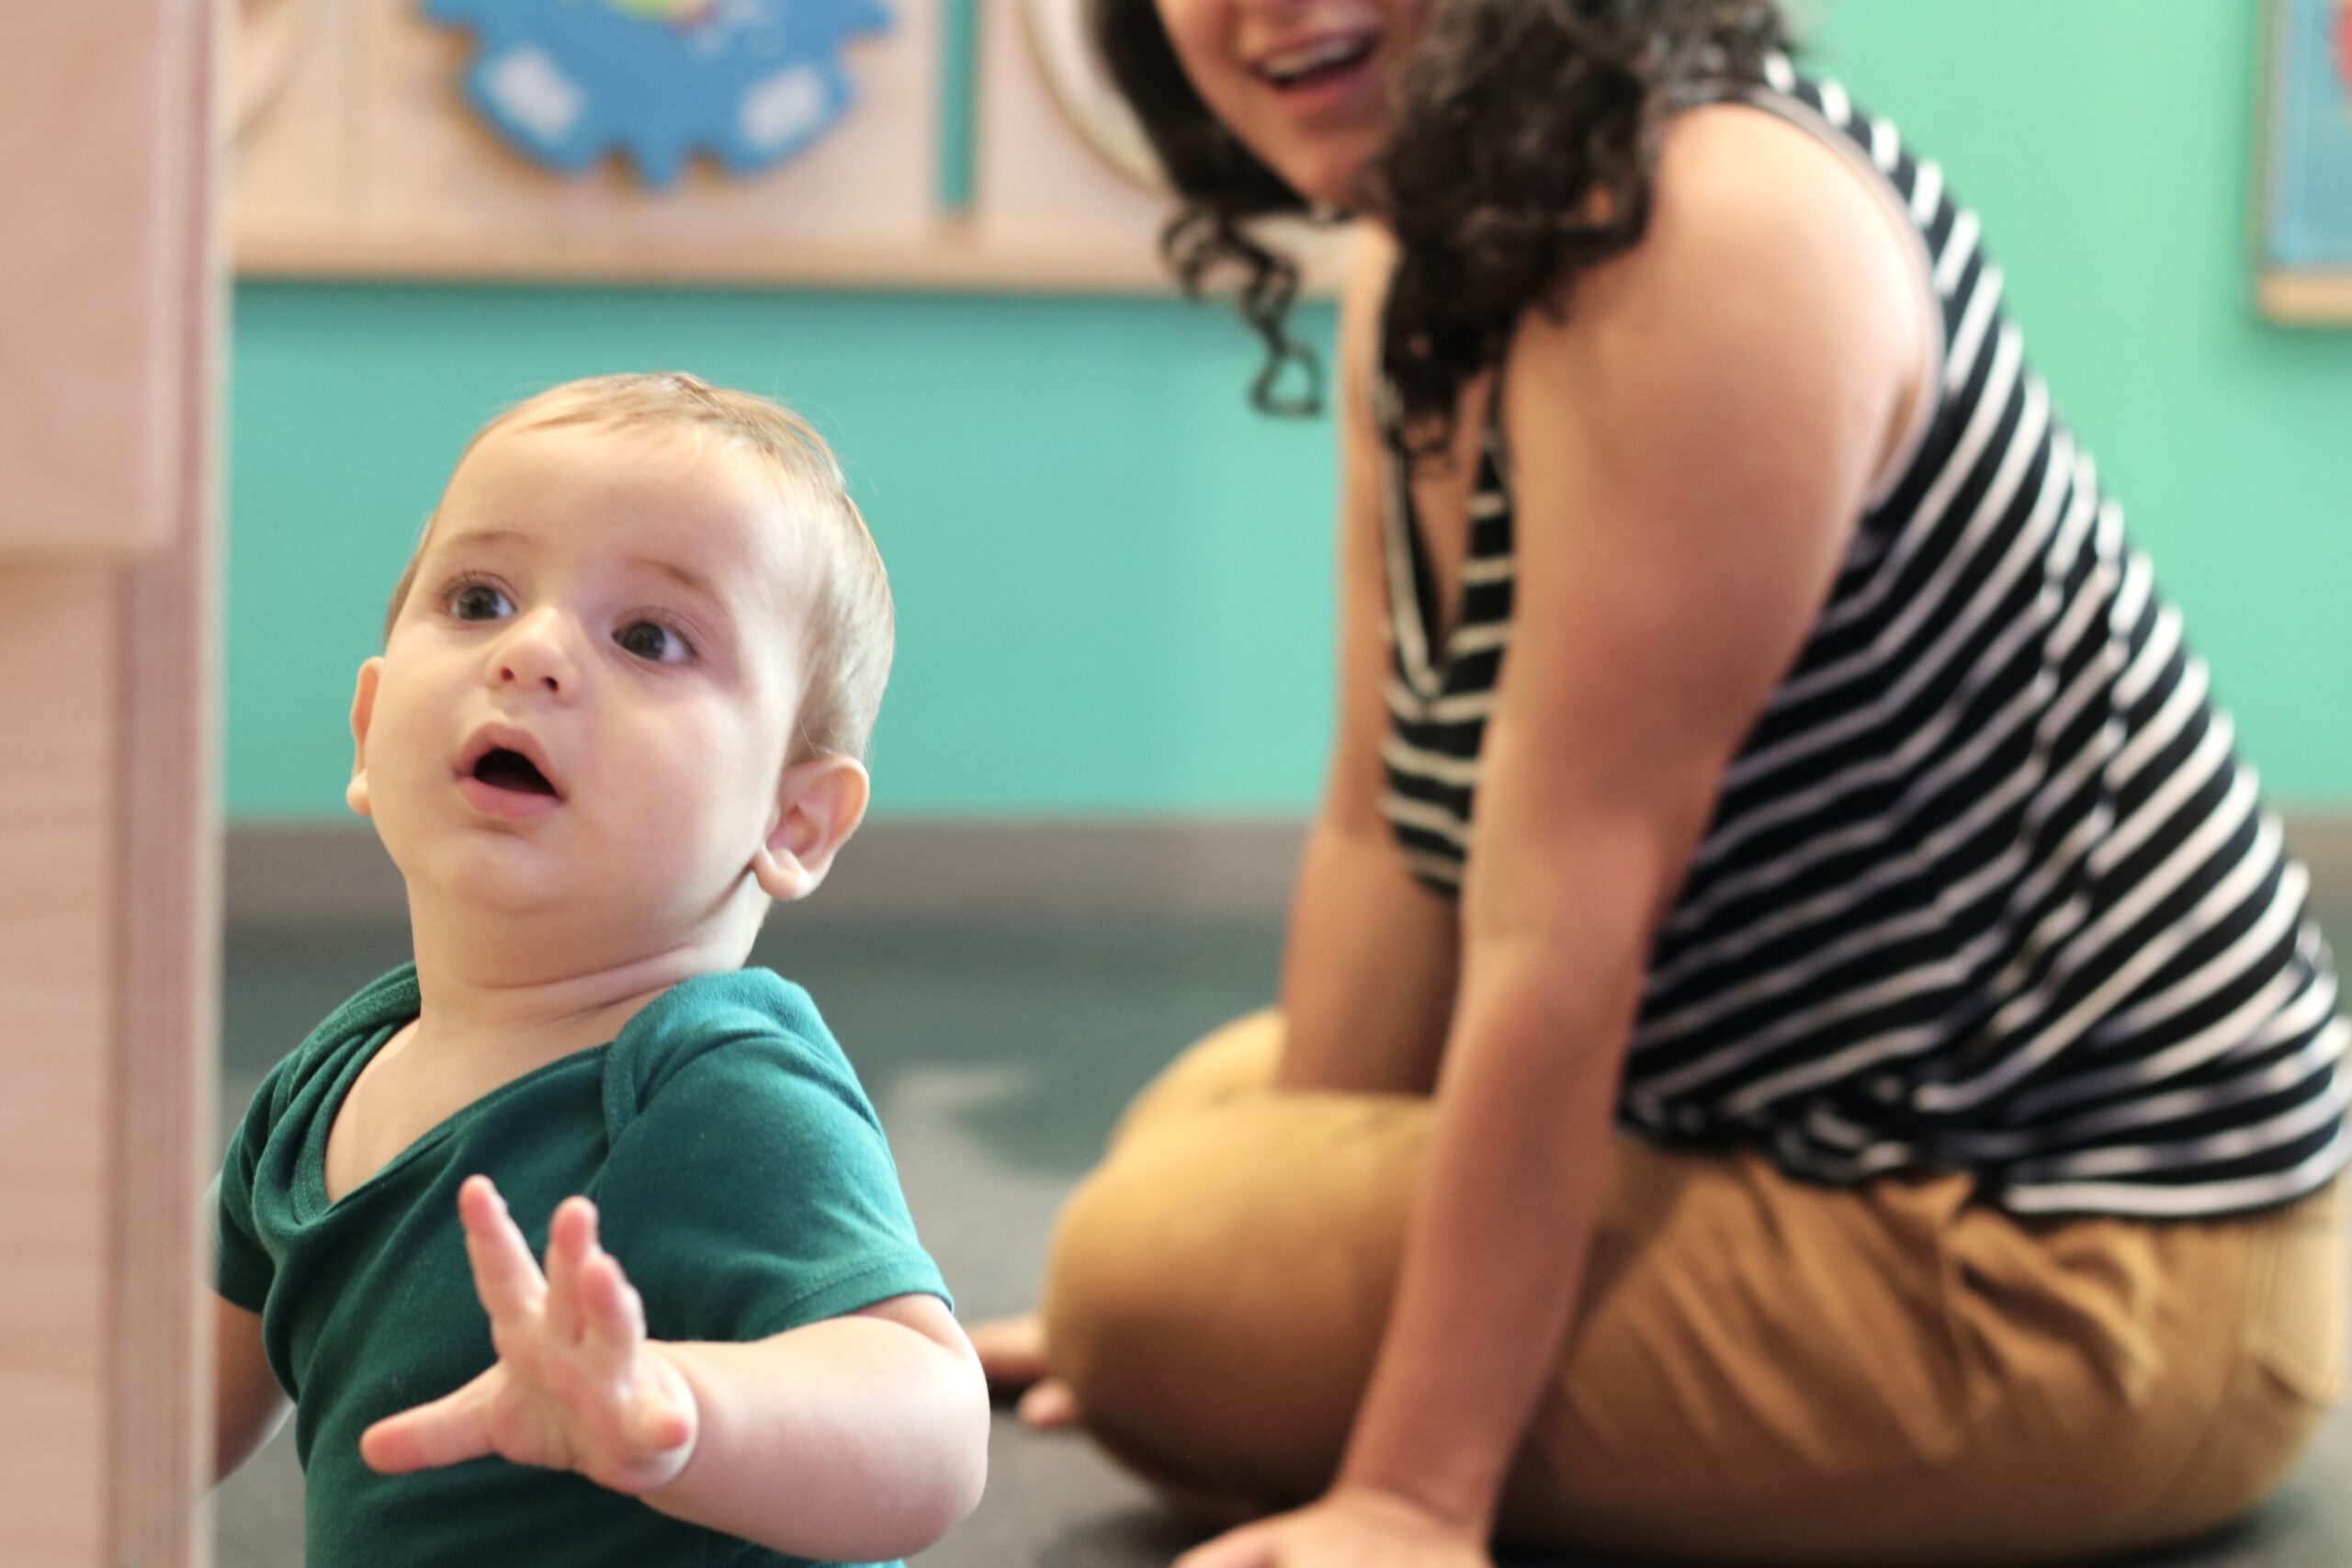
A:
<point x="1987" y="886"/>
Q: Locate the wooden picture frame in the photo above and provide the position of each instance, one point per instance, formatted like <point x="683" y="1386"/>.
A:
<point x="2304" y="172"/>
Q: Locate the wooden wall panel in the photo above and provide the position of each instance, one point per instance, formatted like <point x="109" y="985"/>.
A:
<point x="88" y="137"/>
<point x="109" y="822"/>
<point x="57" y="811"/>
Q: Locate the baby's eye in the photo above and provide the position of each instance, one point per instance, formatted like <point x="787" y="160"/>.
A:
<point x="478" y="601"/>
<point x="654" y="642"/>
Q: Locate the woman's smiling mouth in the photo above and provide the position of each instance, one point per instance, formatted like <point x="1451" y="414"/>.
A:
<point x="1319" y="77"/>
<point x="1304" y="64"/>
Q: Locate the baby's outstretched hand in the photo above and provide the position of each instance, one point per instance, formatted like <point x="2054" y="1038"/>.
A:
<point x="577" y="1384"/>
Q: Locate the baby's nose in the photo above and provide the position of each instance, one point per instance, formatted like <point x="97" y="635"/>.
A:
<point x="522" y="673"/>
<point x="536" y="653"/>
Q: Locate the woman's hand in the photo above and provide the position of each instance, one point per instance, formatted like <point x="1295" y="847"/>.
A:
<point x="1352" y="1528"/>
<point x="1012" y="1359"/>
<point x="577" y="1384"/>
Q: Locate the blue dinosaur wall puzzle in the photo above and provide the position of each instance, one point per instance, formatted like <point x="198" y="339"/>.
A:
<point x="750" y="83"/>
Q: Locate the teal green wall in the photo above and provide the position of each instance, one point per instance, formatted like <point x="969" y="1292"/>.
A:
<point x="1113" y="579"/>
<point x="2109" y="145"/>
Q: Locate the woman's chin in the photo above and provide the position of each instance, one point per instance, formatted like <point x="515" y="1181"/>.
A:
<point x="1327" y="178"/>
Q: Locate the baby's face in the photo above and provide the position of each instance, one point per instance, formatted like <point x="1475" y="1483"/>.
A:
<point x="590" y="691"/>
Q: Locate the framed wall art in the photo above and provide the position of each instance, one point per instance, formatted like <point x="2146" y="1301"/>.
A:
<point x="2303" y="221"/>
<point x="955" y="144"/>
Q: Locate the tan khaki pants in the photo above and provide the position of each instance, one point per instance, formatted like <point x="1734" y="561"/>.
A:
<point x="1760" y="1370"/>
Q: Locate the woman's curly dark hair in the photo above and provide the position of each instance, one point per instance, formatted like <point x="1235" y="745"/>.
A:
<point x="1524" y="135"/>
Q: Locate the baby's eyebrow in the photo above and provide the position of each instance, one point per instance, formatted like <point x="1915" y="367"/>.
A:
<point x="685" y="576"/>
<point x="478" y="538"/>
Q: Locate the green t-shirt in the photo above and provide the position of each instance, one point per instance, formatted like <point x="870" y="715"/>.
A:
<point x="741" y="1178"/>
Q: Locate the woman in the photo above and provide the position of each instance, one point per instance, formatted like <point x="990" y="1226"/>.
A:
<point x="1860" y="1086"/>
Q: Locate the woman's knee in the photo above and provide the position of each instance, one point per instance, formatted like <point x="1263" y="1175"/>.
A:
<point x="1217" y="1290"/>
<point x="1114" y="1295"/>
<point x="1158" y="1288"/>
<point x="1226" y="1065"/>
<point x="1130" y="1325"/>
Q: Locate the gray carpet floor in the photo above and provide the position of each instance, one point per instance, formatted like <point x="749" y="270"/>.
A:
<point x="998" y="1057"/>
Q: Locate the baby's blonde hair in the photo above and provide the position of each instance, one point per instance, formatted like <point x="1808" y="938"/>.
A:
<point x="851" y="624"/>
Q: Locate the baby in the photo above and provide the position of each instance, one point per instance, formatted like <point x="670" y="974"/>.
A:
<point x="626" y="683"/>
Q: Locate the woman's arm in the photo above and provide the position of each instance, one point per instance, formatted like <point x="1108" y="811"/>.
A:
<point x="1692" y="444"/>
<point x="1691" y="448"/>
<point x="1368" y="965"/>
<point x="247" y="1404"/>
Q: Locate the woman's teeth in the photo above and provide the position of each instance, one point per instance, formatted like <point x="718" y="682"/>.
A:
<point x="1295" y="64"/>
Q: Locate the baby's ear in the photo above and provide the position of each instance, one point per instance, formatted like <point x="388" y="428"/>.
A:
<point x="818" y="805"/>
<point x="363" y="710"/>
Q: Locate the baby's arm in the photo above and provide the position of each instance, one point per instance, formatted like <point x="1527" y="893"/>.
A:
<point x="857" y="1438"/>
<point x="863" y="1437"/>
<point x="247" y="1404"/>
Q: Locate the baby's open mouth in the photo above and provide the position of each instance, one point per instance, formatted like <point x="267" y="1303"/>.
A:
<point x="502" y="769"/>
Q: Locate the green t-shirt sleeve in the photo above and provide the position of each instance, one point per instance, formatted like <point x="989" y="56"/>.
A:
<point x="242" y="1267"/>
<point x="753" y="1192"/>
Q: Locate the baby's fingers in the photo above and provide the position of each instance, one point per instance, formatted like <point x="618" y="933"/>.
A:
<point x="612" y="1316"/>
<point x="658" y="1414"/>
<point x="572" y="1246"/>
<point x="1252" y="1546"/>
<point x="450" y="1430"/>
<point x="655" y="1425"/>
<point x="505" y="1278"/>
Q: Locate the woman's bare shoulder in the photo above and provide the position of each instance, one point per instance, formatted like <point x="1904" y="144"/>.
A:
<point x="1740" y="190"/>
<point x="1762" y="252"/>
